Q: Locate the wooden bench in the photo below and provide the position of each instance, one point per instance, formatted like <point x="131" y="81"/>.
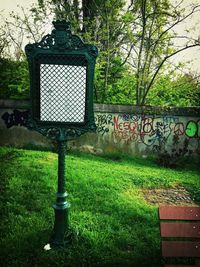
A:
<point x="180" y="233"/>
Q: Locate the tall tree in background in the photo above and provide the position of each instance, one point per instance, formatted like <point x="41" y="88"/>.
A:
<point x="153" y="35"/>
<point x="99" y="22"/>
<point x="102" y="23"/>
<point x="135" y="39"/>
<point x="15" y="32"/>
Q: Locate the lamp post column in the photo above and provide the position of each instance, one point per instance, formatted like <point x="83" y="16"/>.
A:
<point x="61" y="62"/>
<point x="60" y="231"/>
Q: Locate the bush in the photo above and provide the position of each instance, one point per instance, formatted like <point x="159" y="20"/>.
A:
<point x="179" y="91"/>
<point x="14" y="79"/>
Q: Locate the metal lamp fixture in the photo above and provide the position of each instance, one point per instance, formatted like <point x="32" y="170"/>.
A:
<point x="61" y="71"/>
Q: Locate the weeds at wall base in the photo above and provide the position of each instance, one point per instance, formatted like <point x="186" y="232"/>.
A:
<point x="177" y="158"/>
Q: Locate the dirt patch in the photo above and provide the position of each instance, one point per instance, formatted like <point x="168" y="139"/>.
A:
<point x="178" y="196"/>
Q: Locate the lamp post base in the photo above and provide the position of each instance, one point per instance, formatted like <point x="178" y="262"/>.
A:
<point x="61" y="235"/>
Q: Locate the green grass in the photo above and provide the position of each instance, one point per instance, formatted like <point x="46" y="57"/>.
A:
<point x="112" y="224"/>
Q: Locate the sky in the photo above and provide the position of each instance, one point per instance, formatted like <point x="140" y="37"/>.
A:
<point x="192" y="54"/>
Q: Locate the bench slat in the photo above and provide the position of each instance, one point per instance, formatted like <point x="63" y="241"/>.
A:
<point x="179" y="213"/>
<point x="189" y="229"/>
<point x="180" y="249"/>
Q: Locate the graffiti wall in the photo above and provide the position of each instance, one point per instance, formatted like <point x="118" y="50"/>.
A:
<point x="129" y="132"/>
<point x="146" y="134"/>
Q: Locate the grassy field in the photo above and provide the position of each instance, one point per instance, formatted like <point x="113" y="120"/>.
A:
<point x="112" y="223"/>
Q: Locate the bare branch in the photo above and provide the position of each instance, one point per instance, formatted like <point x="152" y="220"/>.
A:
<point x="128" y="55"/>
<point x="160" y="66"/>
<point x="179" y="4"/>
<point x="177" y="22"/>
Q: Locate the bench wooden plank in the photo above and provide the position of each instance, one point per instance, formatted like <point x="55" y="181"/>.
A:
<point x="177" y="229"/>
<point x="179" y="213"/>
<point x="180" y="249"/>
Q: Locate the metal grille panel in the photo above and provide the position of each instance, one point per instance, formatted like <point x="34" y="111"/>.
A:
<point x="62" y="93"/>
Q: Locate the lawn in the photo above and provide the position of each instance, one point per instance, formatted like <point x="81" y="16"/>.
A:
<point x="112" y="224"/>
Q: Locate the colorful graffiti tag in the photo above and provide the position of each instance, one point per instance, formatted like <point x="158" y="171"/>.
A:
<point x="193" y="129"/>
<point x="16" y="118"/>
<point x="103" y="122"/>
<point x="149" y="130"/>
<point x="141" y="129"/>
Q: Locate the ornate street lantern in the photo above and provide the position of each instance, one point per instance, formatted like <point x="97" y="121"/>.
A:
<point x="61" y="70"/>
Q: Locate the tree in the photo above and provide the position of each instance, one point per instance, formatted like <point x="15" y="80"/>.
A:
<point x="3" y="43"/>
<point x="181" y="91"/>
<point x="153" y="36"/>
<point x="136" y="41"/>
<point x="14" y="81"/>
<point x="17" y="30"/>
<point x="98" y="22"/>
<point x="102" y="23"/>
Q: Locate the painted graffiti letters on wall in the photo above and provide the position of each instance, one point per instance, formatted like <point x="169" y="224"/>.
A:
<point x="155" y="132"/>
<point x="140" y="129"/>
<point x="17" y="118"/>
<point x="125" y="128"/>
<point x="179" y="129"/>
<point x="159" y="131"/>
<point x="102" y="122"/>
<point x="176" y="134"/>
<point x="193" y="129"/>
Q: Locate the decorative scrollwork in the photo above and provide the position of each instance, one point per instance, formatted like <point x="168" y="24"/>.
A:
<point x="92" y="50"/>
<point x="48" y="41"/>
<point x="58" y="133"/>
<point x="59" y="50"/>
<point x="61" y="38"/>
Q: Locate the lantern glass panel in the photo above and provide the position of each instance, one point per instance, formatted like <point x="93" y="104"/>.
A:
<point x="62" y="93"/>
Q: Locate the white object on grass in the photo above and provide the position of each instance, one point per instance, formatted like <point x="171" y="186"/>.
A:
<point x="47" y="247"/>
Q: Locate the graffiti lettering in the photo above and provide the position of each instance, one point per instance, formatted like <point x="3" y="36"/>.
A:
<point x="129" y="117"/>
<point x="170" y="119"/>
<point x="126" y="136"/>
<point x="159" y="132"/>
<point x="150" y="131"/>
<point x="147" y="125"/>
<point x="179" y="129"/>
<point x="127" y="125"/>
<point x="193" y="129"/>
<point x="102" y="123"/>
<point x="16" y="118"/>
<point x="145" y="130"/>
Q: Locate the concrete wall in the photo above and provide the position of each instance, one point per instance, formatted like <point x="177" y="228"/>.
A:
<point x="120" y="129"/>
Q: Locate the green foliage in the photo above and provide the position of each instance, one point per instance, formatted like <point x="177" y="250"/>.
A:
<point x="102" y="23"/>
<point x="14" y="79"/>
<point x="140" y="34"/>
<point x="112" y="223"/>
<point x="120" y="83"/>
<point x="177" y="157"/>
<point x="179" y="91"/>
<point x="154" y="31"/>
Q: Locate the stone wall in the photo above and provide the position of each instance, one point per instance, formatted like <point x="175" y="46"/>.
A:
<point x="120" y="129"/>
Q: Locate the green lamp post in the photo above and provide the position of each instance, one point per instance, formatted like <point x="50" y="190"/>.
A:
<point x="61" y="71"/>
